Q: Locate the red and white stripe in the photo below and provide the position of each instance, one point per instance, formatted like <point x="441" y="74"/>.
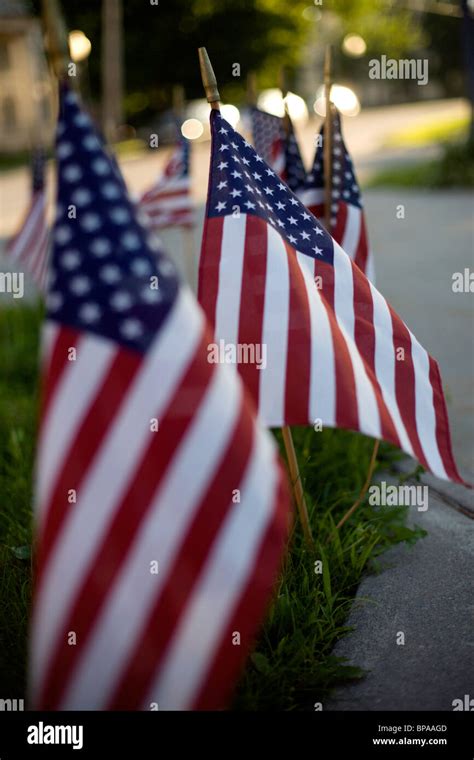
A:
<point x="29" y="247"/>
<point x="142" y="638"/>
<point x="337" y="353"/>
<point x="350" y="229"/>
<point x="169" y="203"/>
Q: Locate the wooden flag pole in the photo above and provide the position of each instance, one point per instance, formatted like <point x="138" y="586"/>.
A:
<point x="57" y="45"/>
<point x="251" y="88"/>
<point x="327" y="154"/>
<point x="327" y="146"/>
<point x="213" y="97"/>
<point x="187" y="235"/>
<point x="286" y="430"/>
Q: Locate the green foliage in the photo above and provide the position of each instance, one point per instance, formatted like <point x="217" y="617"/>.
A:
<point x="18" y="411"/>
<point x="292" y="666"/>
<point x="455" y="168"/>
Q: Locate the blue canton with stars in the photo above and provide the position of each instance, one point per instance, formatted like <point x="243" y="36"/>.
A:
<point x="295" y="171"/>
<point x="241" y="178"/>
<point x="103" y="260"/>
<point x="345" y="187"/>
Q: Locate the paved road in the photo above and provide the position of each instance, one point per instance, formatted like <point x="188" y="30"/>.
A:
<point x="424" y="592"/>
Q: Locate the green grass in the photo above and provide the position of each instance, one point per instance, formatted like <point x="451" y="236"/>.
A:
<point x="444" y="130"/>
<point x="455" y="168"/>
<point x="292" y="666"/>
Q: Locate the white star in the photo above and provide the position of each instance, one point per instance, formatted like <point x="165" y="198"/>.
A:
<point x="249" y="204"/>
<point x="81" y="196"/>
<point x="268" y="190"/>
<point x="235" y="158"/>
<point x="249" y="188"/>
<point x="292" y="220"/>
<point x="235" y="193"/>
<point x="280" y="205"/>
<point x="70" y="259"/>
<point x="236" y="174"/>
<point x="293" y="201"/>
<point x="220" y="206"/>
<point x="318" y="251"/>
<point x="223" y="147"/>
<point x="65" y="149"/>
<point x="245" y="161"/>
<point x="90" y="312"/>
<point x="131" y="241"/>
<point x="304" y="235"/>
<point x="72" y="173"/>
<point x="90" y="222"/>
<point x="257" y="158"/>
<point x="222" y="184"/>
<point x="337" y="151"/>
<point x="247" y="144"/>
<point x="223" y="131"/>
<point x="121" y="300"/>
<point x="280" y="223"/>
<point x="101" y="166"/>
<point x="54" y="301"/>
<point x="346" y="194"/>
<point x="82" y="120"/>
<point x="62" y="234"/>
<point x="131" y="328"/>
<point x="256" y="175"/>
<point x="292" y="239"/>
<point x="262" y="205"/>
<point x="110" y="274"/>
<point x="80" y="285"/>
<point x="259" y="192"/>
<point x="336" y="165"/>
<point x="281" y="187"/>
<point x="234" y="145"/>
<point x="269" y="172"/>
<point x="334" y="207"/>
<point x="151" y="296"/>
<point x="100" y="247"/>
<point x="110" y="190"/>
<point x="90" y="142"/>
<point x="318" y="231"/>
<point x="223" y="165"/>
<point x="305" y="215"/>
<point x="165" y="267"/>
<point x="140" y="267"/>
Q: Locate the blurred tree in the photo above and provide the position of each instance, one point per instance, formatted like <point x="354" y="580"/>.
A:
<point x="161" y="38"/>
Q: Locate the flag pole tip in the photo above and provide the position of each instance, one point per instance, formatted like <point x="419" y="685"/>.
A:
<point x="57" y="42"/>
<point x="208" y="78"/>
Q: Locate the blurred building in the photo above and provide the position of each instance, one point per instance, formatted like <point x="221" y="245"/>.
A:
<point x="25" y="88"/>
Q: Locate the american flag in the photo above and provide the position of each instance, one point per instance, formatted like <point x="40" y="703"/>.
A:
<point x="169" y="203"/>
<point x="161" y="506"/>
<point x="272" y="276"/>
<point x="29" y="247"/>
<point x="347" y="220"/>
<point x="269" y="138"/>
<point x="275" y="140"/>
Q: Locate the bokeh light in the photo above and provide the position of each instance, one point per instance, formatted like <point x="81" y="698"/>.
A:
<point x="354" y="45"/>
<point x="345" y="100"/>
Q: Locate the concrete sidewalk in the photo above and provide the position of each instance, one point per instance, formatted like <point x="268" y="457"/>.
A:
<point x="426" y="593"/>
